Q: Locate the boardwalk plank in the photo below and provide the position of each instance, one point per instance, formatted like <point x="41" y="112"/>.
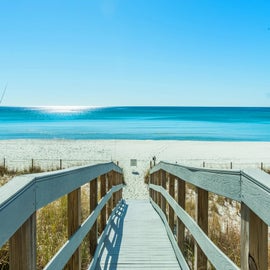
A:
<point x="137" y="239"/>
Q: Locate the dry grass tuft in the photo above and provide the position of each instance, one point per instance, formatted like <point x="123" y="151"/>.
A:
<point x="51" y="225"/>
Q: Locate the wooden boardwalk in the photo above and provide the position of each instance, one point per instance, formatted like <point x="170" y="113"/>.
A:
<point x="136" y="239"/>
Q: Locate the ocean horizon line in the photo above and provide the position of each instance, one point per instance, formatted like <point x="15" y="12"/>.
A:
<point x="136" y="122"/>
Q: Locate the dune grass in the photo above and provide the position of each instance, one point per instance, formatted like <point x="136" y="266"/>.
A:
<point x="224" y="228"/>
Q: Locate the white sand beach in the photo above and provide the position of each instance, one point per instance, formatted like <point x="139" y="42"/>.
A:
<point x="19" y="153"/>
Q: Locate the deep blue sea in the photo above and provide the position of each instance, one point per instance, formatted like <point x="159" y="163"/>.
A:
<point x="154" y="123"/>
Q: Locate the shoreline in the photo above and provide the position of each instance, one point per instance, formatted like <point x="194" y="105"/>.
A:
<point x="20" y="152"/>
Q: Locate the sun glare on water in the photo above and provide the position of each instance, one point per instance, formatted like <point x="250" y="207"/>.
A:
<point x="66" y="109"/>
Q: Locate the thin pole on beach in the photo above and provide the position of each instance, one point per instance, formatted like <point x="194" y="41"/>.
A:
<point x="61" y="165"/>
<point x="231" y="165"/>
<point x="32" y="164"/>
<point x="4" y="164"/>
<point x="262" y="166"/>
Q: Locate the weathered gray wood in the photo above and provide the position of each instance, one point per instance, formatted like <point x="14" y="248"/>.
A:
<point x="171" y="179"/>
<point x="177" y="251"/>
<point x="102" y="194"/>
<point x="158" y="183"/>
<point x="181" y="200"/>
<point x="154" y="182"/>
<point x="163" y="184"/>
<point x="131" y="242"/>
<point x="244" y="236"/>
<point x="202" y="221"/>
<point x="110" y="203"/>
<point x="94" y="260"/>
<point x="63" y="181"/>
<point x="74" y="222"/>
<point x="17" y="196"/>
<point x="258" y="246"/>
<point x="221" y="182"/>
<point x="256" y="193"/>
<point x="150" y="182"/>
<point x="62" y="256"/>
<point x="93" y="235"/>
<point x="26" y="194"/>
<point x="213" y="253"/>
<point x="22" y="255"/>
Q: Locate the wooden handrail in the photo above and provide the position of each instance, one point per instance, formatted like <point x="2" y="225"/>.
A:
<point x="249" y="187"/>
<point x="21" y="197"/>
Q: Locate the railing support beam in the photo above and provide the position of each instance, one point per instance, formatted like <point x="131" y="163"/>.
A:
<point x="74" y="222"/>
<point x="258" y="250"/>
<point x="110" y="202"/>
<point x="244" y="236"/>
<point x="102" y="194"/>
<point x="181" y="199"/>
<point x="93" y="235"/>
<point x="202" y="221"/>
<point x="172" y="193"/>
<point x="23" y="246"/>
<point x="163" y="184"/>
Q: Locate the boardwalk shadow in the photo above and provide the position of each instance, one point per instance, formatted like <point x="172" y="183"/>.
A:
<point x="112" y="243"/>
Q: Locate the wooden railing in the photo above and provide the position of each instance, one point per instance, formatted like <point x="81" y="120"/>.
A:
<point x="24" y="195"/>
<point x="251" y="188"/>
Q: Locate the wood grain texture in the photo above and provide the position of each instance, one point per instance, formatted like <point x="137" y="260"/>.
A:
<point x="23" y="246"/>
<point x="163" y="184"/>
<point x="93" y="235"/>
<point x="258" y="245"/>
<point x="221" y="182"/>
<point x="102" y="194"/>
<point x="202" y="220"/>
<point x="137" y="239"/>
<point x="74" y="222"/>
<point x="178" y="253"/>
<point x="181" y="200"/>
<point x="62" y="256"/>
<point x="256" y="196"/>
<point x="244" y="236"/>
<point x="213" y="253"/>
<point x="28" y="193"/>
<point x="171" y="180"/>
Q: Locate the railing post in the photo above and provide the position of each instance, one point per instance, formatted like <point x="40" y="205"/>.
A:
<point x="181" y="200"/>
<point x="110" y="202"/>
<point x="74" y="222"/>
<point x="93" y="235"/>
<point x="23" y="246"/>
<point x="102" y="194"/>
<point x="258" y="241"/>
<point x="154" y="192"/>
<point x="150" y="182"/>
<point x="119" y="196"/>
<point x="202" y="221"/>
<point x="114" y="183"/>
<point x="172" y="193"/>
<point x="163" y="184"/>
<point x="121" y="181"/>
<point x="244" y="236"/>
<point x="158" y="193"/>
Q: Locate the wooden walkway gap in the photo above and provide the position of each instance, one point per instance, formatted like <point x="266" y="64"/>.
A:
<point x="136" y="239"/>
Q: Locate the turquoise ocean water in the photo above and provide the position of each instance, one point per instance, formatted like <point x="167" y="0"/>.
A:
<point x="153" y="123"/>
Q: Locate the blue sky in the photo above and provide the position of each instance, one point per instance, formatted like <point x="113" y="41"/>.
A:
<point x="140" y="52"/>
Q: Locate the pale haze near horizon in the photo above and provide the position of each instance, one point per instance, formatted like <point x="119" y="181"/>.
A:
<point x="115" y="53"/>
